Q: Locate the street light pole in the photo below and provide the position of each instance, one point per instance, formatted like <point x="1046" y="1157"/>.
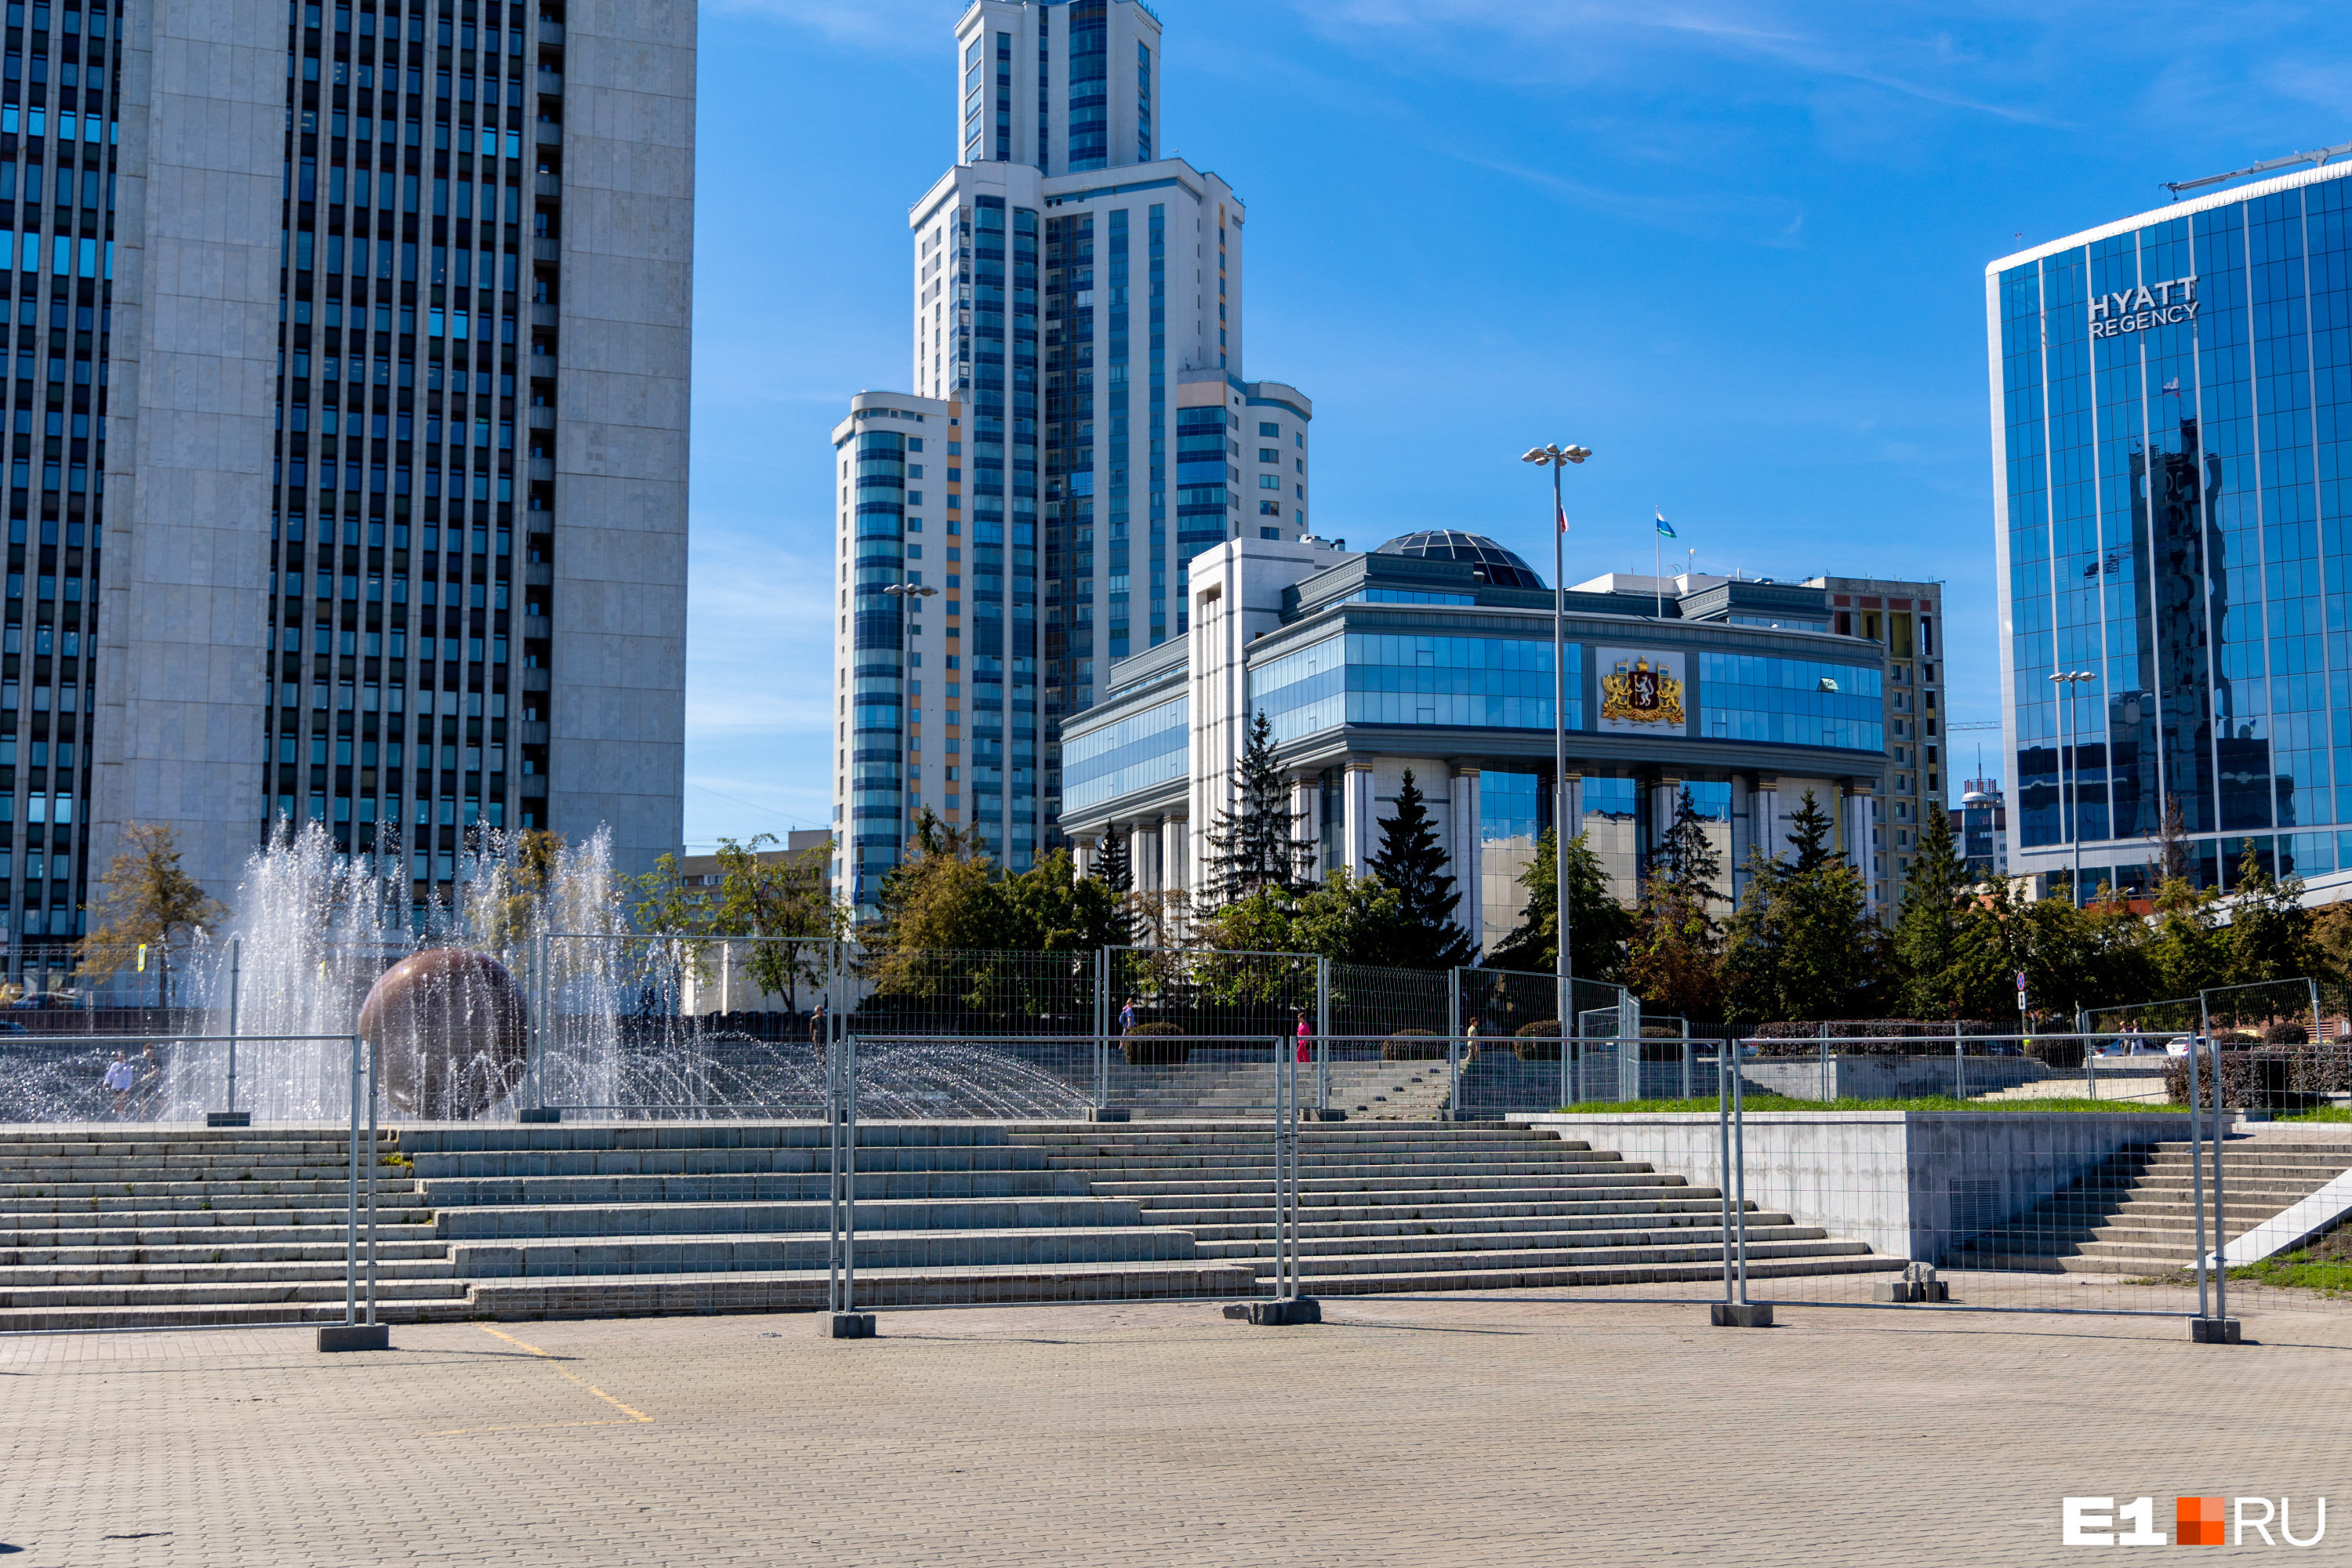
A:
<point x="1556" y="457"/>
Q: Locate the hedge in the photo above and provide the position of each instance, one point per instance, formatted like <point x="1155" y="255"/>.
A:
<point x="1156" y="1045"/>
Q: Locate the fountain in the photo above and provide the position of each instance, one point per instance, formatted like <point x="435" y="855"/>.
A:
<point x="453" y="1031"/>
<point x="529" y="989"/>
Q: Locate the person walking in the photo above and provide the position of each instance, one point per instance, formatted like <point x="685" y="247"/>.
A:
<point x="1126" y="1017"/>
<point x="1470" y="1038"/>
<point x="119" y="1077"/>
<point x="1305" y="1034"/>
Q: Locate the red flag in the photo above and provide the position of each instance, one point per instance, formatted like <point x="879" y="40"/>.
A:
<point x="1563" y="516"/>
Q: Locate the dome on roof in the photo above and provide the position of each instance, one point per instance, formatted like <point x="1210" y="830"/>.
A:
<point x="1489" y="561"/>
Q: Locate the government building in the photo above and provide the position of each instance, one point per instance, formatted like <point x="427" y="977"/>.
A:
<point x="1434" y="653"/>
<point x="2171" y="408"/>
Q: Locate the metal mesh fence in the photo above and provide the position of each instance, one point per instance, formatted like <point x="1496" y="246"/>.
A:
<point x="111" y="1218"/>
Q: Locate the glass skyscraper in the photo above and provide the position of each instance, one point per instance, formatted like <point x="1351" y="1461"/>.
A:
<point x="1007" y="529"/>
<point x="2172" y="404"/>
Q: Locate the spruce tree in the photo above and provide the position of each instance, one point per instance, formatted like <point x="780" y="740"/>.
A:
<point x="1253" y="845"/>
<point x="1113" y="869"/>
<point x="1927" y="930"/>
<point x="1810" y="837"/>
<point x="1410" y="861"/>
<point x="1601" y="924"/>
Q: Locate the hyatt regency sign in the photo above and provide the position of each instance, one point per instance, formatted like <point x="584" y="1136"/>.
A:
<point x="2140" y="309"/>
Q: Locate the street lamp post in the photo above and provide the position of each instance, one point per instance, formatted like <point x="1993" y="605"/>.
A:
<point x="912" y="597"/>
<point x="2065" y="681"/>
<point x="1556" y="457"/>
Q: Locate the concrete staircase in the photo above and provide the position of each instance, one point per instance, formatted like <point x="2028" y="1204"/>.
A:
<point x="159" y="1227"/>
<point x="102" y="1229"/>
<point x="1198" y="1090"/>
<point x="1437" y="1207"/>
<point x="2134" y="1216"/>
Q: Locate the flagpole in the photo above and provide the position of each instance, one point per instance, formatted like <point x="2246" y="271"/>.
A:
<point x="1556" y="457"/>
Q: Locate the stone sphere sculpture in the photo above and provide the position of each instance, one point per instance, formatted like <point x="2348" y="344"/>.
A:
<point x="453" y="1030"/>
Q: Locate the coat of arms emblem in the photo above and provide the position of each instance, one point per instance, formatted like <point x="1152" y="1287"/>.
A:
<point x="1639" y="693"/>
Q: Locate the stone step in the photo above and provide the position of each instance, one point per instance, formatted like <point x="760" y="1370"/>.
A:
<point x="1761" y="1228"/>
<point x="30" y="1320"/>
<point x="523" y="1165"/>
<point x="568" y="1137"/>
<point x="2044" y="1263"/>
<point x="534" y="1222"/>
<point x="408" y="1246"/>
<point x="933" y="1249"/>
<point x="459" y="1192"/>
<point x="1635" y="1178"/>
<point x="1806" y="1242"/>
<point x="1261" y="1228"/>
<point x="589" y="1296"/>
<point x="15" y="1282"/>
<point x="1431" y="1167"/>
<point x="68" y="1192"/>
<point x="1495" y="1275"/>
<point x="25" y="1228"/>
<point x="227" y="1293"/>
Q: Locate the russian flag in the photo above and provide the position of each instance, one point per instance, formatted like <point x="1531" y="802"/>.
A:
<point x="1665" y="528"/>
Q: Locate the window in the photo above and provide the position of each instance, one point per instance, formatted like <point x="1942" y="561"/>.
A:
<point x="1273" y="454"/>
<point x="1277" y="533"/>
<point x="1273" y="432"/>
<point x="1269" y="509"/>
<point x="1274" y="482"/>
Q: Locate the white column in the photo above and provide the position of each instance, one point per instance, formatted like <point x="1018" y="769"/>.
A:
<point x="1764" y="819"/>
<point x="1357" y="830"/>
<point x="1082" y="851"/>
<point x="1171" y="854"/>
<point x="1305" y="801"/>
<point x="1861" y="820"/>
<point x="1464" y="852"/>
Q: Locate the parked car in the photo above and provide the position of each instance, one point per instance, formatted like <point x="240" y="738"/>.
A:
<point x="2179" y="1046"/>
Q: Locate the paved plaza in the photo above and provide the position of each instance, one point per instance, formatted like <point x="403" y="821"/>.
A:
<point x="1471" y="1430"/>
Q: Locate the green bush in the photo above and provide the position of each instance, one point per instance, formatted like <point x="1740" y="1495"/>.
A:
<point x="2286" y="1035"/>
<point x="2065" y="1056"/>
<point x="1538" y="1041"/>
<point x="1155" y="1046"/>
<point x="1413" y="1045"/>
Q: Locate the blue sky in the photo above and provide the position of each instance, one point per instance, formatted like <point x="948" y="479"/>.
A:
<point x="1737" y="249"/>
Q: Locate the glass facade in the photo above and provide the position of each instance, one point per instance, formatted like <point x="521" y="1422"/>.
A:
<point x="1791" y="701"/>
<point x="58" y="153"/>
<point x="1372" y="678"/>
<point x="2175" y="402"/>
<point x="1146" y="748"/>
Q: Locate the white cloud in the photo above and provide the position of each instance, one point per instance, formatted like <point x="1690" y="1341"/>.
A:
<point x="898" y="27"/>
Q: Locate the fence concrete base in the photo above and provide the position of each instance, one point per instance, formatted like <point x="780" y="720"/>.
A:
<point x="2212" y="1331"/>
<point x="1740" y="1314"/>
<point x="1286" y="1314"/>
<point x="1907" y="1182"/>
<point x="355" y="1337"/>
<point x="1884" y="1078"/>
<point x="848" y="1326"/>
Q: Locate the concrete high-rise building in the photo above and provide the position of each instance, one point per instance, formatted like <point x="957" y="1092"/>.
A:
<point x="1079" y="429"/>
<point x="347" y="430"/>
